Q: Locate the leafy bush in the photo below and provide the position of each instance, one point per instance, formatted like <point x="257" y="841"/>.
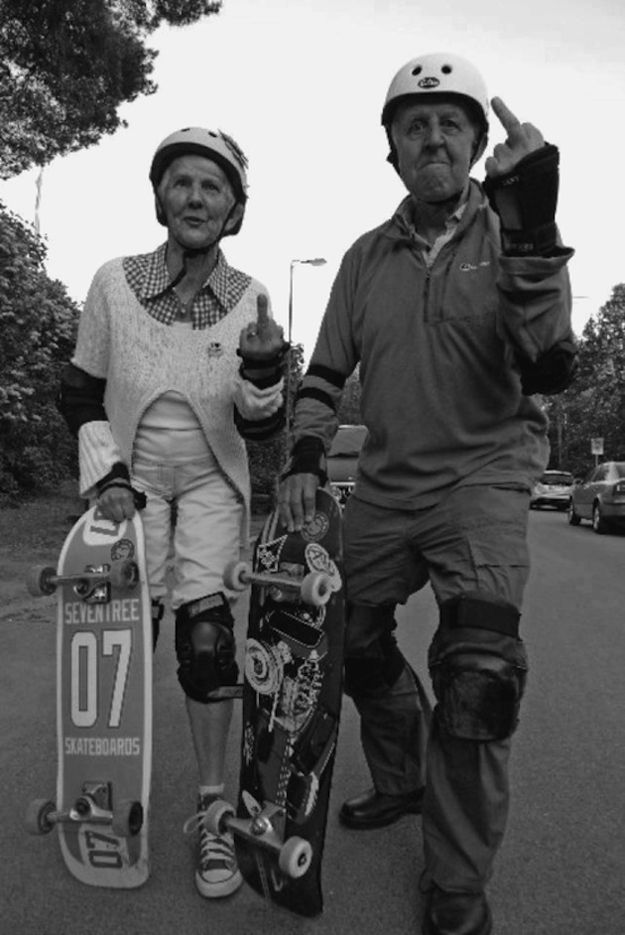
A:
<point x="38" y="325"/>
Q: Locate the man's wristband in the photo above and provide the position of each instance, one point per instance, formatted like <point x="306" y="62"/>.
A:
<point x="526" y="200"/>
<point x="308" y="457"/>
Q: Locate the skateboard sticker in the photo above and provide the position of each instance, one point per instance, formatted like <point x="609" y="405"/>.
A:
<point x="102" y="849"/>
<point x="317" y="528"/>
<point x="100" y="531"/>
<point x="264" y="665"/>
<point x="319" y="560"/>
<point x="248" y="743"/>
<point x="122" y="549"/>
<point x="269" y="554"/>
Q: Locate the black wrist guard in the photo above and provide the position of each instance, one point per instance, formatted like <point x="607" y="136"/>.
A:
<point x="264" y="372"/>
<point x="119" y="476"/>
<point x="308" y="457"/>
<point x="525" y="201"/>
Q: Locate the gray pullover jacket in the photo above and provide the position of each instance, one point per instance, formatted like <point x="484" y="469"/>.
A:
<point x="449" y="355"/>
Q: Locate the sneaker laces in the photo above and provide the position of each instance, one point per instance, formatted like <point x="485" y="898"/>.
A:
<point x="214" y="848"/>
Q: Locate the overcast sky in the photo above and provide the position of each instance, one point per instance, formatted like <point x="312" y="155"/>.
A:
<point x="300" y="85"/>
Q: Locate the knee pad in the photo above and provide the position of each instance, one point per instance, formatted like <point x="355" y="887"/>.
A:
<point x="478" y="667"/>
<point x="205" y="647"/>
<point x="373" y="661"/>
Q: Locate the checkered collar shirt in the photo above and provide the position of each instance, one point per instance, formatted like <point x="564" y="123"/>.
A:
<point x="148" y="277"/>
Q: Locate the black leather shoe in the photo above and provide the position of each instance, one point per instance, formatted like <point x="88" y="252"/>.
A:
<point x="456" y="914"/>
<point x="375" y="810"/>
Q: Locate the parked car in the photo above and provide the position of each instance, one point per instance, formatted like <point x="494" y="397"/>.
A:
<point x="343" y="459"/>
<point x="553" y="489"/>
<point x="600" y="497"/>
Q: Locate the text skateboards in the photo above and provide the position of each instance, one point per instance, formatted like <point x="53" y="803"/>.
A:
<point x="104" y="702"/>
<point x="291" y="706"/>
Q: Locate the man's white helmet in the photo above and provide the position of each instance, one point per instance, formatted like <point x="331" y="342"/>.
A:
<point x="437" y="73"/>
<point x="213" y="144"/>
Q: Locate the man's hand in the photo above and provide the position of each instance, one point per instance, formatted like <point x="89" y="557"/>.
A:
<point x="117" y="504"/>
<point x="522" y="139"/>
<point x="296" y="500"/>
<point x="261" y="339"/>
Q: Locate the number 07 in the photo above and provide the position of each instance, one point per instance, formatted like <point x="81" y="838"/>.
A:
<point x="85" y="646"/>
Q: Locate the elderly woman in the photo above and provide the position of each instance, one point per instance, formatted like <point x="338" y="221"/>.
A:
<point x="176" y="359"/>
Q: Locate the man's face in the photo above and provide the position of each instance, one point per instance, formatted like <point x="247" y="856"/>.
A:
<point x="196" y="197"/>
<point x="436" y="146"/>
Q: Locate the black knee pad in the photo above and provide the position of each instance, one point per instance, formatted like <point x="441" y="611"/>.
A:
<point x="478" y="667"/>
<point x="205" y="647"/>
<point x="373" y="661"/>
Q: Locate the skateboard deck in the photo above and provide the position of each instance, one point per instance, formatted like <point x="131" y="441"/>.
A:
<point x="103" y="702"/>
<point x="291" y="706"/>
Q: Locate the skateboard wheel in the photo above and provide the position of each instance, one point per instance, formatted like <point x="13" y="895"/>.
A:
<point x="39" y="580"/>
<point x="237" y="575"/>
<point x="217" y="815"/>
<point x="295" y="857"/>
<point x="37" y="819"/>
<point x="316" y="589"/>
<point x="127" y="818"/>
<point x="124" y="574"/>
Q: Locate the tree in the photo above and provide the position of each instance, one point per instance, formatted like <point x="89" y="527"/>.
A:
<point x="38" y="325"/>
<point x="594" y="406"/>
<point x="349" y="410"/>
<point x="67" y="65"/>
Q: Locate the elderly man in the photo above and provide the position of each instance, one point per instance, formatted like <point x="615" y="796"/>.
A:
<point x="458" y="311"/>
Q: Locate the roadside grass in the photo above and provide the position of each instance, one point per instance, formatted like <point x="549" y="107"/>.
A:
<point x="33" y="533"/>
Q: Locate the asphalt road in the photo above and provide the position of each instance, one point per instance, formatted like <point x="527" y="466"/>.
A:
<point x="561" y="870"/>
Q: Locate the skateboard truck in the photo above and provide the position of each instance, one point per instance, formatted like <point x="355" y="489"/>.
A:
<point x="93" y="584"/>
<point x="313" y="589"/>
<point x="294" y="855"/>
<point x="93" y="805"/>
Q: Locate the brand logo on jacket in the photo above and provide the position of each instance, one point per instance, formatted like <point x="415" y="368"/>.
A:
<point x="470" y="267"/>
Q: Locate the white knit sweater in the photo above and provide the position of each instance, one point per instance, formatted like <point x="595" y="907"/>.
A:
<point x="140" y="359"/>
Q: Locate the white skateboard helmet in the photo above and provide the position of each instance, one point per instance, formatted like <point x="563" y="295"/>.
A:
<point x="214" y="144"/>
<point x="437" y="73"/>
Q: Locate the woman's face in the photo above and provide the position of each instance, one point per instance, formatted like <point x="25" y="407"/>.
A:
<point x="196" y="198"/>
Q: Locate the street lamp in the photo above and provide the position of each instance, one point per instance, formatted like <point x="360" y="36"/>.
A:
<point x="316" y="261"/>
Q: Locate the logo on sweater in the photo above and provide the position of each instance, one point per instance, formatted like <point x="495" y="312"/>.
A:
<point x="214" y="349"/>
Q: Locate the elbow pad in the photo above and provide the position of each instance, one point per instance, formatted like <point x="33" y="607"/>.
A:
<point x="80" y="398"/>
<point x="526" y="201"/>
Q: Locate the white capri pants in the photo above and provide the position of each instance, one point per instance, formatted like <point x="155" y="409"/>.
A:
<point x="207" y="532"/>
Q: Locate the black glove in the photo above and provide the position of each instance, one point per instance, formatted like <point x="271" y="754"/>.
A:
<point x="525" y="201"/>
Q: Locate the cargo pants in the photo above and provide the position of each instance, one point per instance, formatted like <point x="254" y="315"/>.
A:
<point x="472" y="541"/>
